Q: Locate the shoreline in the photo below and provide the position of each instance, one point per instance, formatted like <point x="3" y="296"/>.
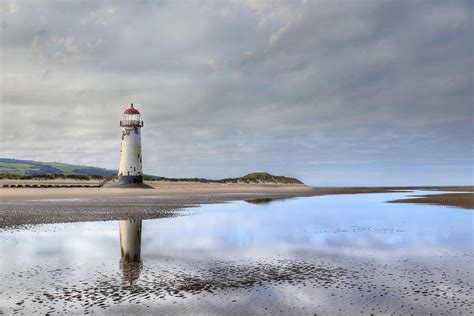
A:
<point x="30" y="206"/>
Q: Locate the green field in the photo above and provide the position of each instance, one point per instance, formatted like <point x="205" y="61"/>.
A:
<point x="33" y="168"/>
<point x="66" y="168"/>
<point x="14" y="168"/>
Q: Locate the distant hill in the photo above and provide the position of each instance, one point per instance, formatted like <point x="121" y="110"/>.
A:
<point x="257" y="177"/>
<point x="266" y="177"/>
<point x="35" y="168"/>
<point x="25" y="169"/>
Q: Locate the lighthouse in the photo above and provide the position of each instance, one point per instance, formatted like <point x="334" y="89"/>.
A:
<point x="130" y="167"/>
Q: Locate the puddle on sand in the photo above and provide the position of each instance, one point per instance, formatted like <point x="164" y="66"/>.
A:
<point x="331" y="254"/>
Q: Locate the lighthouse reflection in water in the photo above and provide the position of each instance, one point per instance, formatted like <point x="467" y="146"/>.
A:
<point x="130" y="244"/>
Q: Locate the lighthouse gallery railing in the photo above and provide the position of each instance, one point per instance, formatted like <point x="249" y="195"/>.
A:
<point x="131" y="123"/>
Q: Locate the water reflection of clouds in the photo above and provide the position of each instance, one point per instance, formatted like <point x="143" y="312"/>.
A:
<point x="237" y="226"/>
<point x="66" y="243"/>
<point x="319" y="225"/>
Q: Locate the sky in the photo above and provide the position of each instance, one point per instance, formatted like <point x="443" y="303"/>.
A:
<point x="334" y="93"/>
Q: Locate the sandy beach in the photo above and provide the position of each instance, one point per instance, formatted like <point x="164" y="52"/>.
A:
<point x="159" y="189"/>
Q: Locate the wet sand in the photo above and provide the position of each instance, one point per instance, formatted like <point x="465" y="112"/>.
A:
<point x="403" y="286"/>
<point x="27" y="206"/>
<point x="301" y="281"/>
<point x="461" y="200"/>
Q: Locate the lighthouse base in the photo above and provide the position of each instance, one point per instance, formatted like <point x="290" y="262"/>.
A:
<point x="128" y="182"/>
<point x="130" y="179"/>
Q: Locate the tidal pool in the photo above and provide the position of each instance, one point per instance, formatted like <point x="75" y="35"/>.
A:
<point x="343" y="254"/>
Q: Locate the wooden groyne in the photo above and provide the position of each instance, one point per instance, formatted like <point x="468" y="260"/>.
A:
<point x="51" y="186"/>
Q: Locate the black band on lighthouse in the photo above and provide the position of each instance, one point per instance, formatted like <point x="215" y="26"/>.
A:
<point x="130" y="179"/>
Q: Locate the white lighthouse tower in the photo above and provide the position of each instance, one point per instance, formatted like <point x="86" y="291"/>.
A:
<point x="130" y="167"/>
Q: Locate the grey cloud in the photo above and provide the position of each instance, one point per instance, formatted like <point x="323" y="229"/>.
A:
<point x="232" y="87"/>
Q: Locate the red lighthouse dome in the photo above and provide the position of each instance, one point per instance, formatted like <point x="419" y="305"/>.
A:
<point x="131" y="117"/>
<point x="131" y="110"/>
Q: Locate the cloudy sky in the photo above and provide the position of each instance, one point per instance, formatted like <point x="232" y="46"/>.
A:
<point x="332" y="92"/>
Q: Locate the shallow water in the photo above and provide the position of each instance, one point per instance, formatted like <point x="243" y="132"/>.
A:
<point x="338" y="254"/>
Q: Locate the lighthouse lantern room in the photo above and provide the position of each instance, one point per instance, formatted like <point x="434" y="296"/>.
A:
<point x="130" y="167"/>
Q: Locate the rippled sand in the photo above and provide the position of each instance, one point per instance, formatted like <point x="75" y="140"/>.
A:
<point x="248" y="286"/>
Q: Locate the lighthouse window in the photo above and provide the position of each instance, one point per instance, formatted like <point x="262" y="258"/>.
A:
<point x="134" y="169"/>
